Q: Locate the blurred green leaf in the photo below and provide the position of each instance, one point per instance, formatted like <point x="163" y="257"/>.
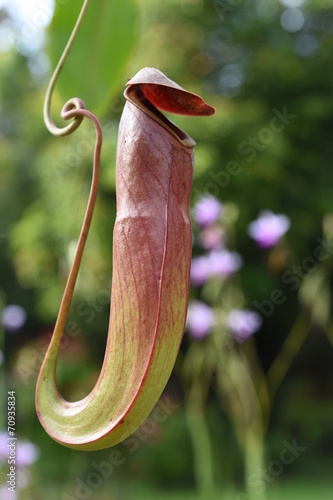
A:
<point x="96" y="64"/>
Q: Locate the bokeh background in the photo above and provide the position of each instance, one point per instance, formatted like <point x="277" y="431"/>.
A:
<point x="248" y="411"/>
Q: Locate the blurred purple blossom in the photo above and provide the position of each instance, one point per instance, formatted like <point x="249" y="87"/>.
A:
<point x="3" y="446"/>
<point x="224" y="262"/>
<point x="268" y="228"/>
<point x="216" y="263"/>
<point x="26" y="452"/>
<point x="200" y="319"/>
<point x="5" y="494"/>
<point x="199" y="270"/>
<point x="212" y="238"/>
<point x="2" y="357"/>
<point x="13" y="318"/>
<point x="242" y="323"/>
<point x="206" y="211"/>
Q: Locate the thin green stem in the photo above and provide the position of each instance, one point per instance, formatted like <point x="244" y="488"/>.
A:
<point x="254" y="462"/>
<point x="197" y="382"/>
<point x="69" y="289"/>
<point x="78" y="103"/>
<point x="201" y="441"/>
<point x="329" y="331"/>
<point x="286" y="356"/>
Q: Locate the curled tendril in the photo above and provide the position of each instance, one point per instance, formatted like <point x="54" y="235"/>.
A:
<point x="75" y="102"/>
<point x="74" y="109"/>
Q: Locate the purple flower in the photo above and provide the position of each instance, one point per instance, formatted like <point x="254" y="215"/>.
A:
<point x="199" y="270"/>
<point x="242" y="323"/>
<point x="5" y="494"/>
<point x="2" y="358"/>
<point x="3" y="446"/>
<point x="26" y="452"/>
<point x="206" y="211"/>
<point x="13" y="318"/>
<point x="212" y="238"/>
<point x="216" y="263"/>
<point x="200" y="320"/>
<point x="224" y="263"/>
<point x="268" y="228"/>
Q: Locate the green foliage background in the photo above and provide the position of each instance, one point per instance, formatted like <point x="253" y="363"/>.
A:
<point x="44" y="183"/>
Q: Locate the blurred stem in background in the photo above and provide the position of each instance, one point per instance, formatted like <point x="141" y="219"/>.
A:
<point x="283" y="361"/>
<point x="238" y="397"/>
<point x="196" y="385"/>
<point x="329" y="332"/>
